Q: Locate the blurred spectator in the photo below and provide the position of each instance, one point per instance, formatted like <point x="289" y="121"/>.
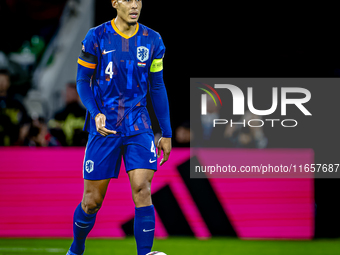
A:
<point x="13" y="115"/>
<point x="246" y="137"/>
<point x="36" y="17"/>
<point x="39" y="134"/>
<point x="67" y="124"/>
<point x="213" y="112"/>
<point x="203" y="133"/>
<point x="183" y="135"/>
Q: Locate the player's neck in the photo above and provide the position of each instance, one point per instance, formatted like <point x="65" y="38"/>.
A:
<point x="124" y="27"/>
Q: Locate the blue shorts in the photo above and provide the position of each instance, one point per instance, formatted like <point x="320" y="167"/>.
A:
<point x="103" y="155"/>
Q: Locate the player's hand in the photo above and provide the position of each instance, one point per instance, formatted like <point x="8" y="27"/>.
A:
<point x="100" y="125"/>
<point x="164" y="144"/>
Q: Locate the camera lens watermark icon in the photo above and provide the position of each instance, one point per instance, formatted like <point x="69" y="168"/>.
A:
<point x="204" y="98"/>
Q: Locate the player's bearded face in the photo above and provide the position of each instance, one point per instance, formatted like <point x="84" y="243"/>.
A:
<point x="129" y="10"/>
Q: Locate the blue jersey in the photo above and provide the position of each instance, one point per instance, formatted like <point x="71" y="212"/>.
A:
<point x="122" y="65"/>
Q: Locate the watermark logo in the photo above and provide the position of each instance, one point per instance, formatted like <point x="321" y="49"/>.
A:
<point x="238" y="107"/>
<point x="204" y="97"/>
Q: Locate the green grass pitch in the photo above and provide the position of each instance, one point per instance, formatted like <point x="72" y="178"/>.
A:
<point x="175" y="246"/>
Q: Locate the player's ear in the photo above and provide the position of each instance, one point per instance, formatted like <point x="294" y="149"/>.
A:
<point x="114" y="3"/>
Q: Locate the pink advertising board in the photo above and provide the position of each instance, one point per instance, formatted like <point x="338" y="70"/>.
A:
<point x="40" y="188"/>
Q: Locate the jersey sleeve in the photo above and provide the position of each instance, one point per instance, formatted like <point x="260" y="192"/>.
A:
<point x="157" y="60"/>
<point x="87" y="63"/>
<point x="88" y="56"/>
<point x="158" y="94"/>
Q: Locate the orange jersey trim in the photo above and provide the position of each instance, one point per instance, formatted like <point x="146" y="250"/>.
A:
<point x="122" y="34"/>
<point x="86" y="64"/>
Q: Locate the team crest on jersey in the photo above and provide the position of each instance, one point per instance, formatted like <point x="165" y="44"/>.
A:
<point x="142" y="53"/>
<point x="89" y="166"/>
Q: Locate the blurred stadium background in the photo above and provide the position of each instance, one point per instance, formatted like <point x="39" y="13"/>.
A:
<point x="42" y="144"/>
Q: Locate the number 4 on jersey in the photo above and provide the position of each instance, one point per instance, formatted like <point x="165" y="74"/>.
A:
<point x="108" y="70"/>
<point x="153" y="148"/>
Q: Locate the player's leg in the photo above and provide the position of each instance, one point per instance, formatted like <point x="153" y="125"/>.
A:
<point x="85" y="214"/>
<point x="140" y="160"/>
<point x="93" y="196"/>
<point x="140" y="181"/>
<point x="102" y="162"/>
<point x="144" y="224"/>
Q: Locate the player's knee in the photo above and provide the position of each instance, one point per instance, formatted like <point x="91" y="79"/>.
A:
<point x="142" y="192"/>
<point x="91" y="204"/>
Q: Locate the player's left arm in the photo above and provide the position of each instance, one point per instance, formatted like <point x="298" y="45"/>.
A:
<point x="160" y="102"/>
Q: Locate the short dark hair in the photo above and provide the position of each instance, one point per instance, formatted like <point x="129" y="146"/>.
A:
<point x="72" y="85"/>
<point x="5" y="72"/>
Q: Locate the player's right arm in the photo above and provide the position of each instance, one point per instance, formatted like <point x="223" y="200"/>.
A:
<point x="87" y="63"/>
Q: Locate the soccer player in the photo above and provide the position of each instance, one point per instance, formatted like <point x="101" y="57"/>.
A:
<point x="120" y="61"/>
